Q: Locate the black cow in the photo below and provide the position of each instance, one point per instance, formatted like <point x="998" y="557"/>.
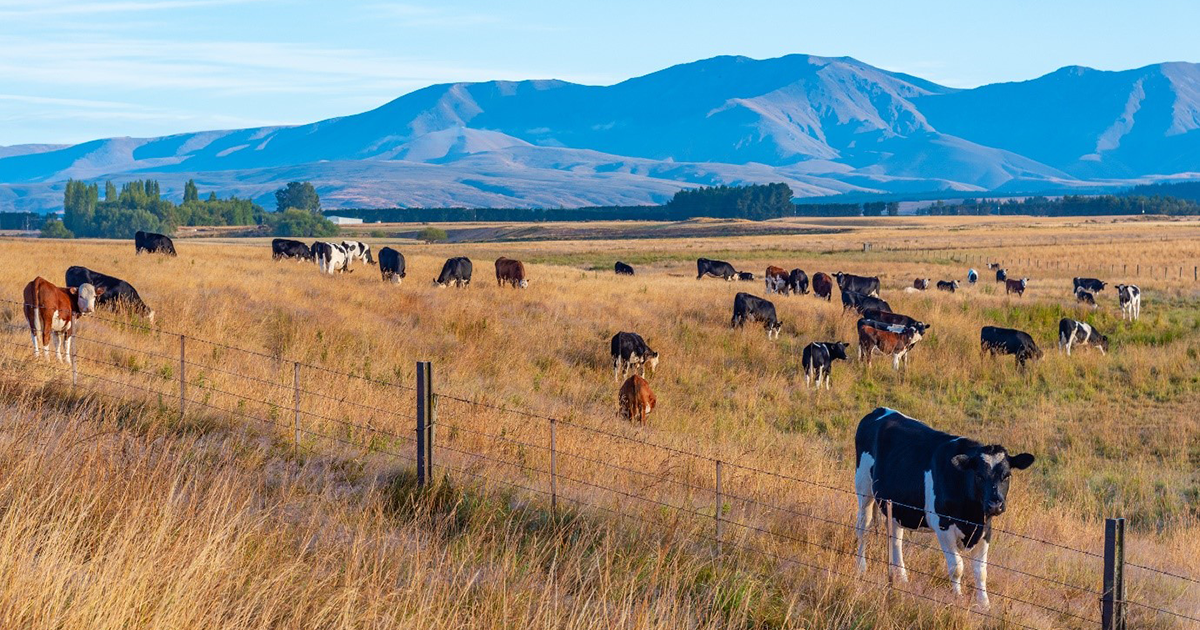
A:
<point x="972" y="276"/>
<point x="456" y="271"/>
<point x="950" y="286"/>
<point x="952" y="485"/>
<point x="1073" y="332"/>
<point x="895" y="319"/>
<point x="752" y="308"/>
<point x="622" y="269"/>
<point x="745" y="276"/>
<point x="860" y="302"/>
<point x="715" y="268"/>
<point x="818" y="360"/>
<point x="1088" y="284"/>
<point x="391" y="265"/>
<point x="798" y="281"/>
<point x="286" y="248"/>
<point x="858" y="284"/>
<point x="629" y="351"/>
<point x="116" y="291"/>
<point x="1086" y="297"/>
<point x="995" y="340"/>
<point x="152" y="243"/>
<point x="1001" y="275"/>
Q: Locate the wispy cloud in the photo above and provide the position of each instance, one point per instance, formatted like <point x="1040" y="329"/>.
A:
<point x="416" y="15"/>
<point x="44" y="8"/>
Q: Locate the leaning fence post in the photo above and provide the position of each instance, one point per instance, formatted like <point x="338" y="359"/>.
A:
<point x="1112" y="599"/>
<point x="182" y="376"/>
<point x="717" y="512"/>
<point x="553" y="469"/>
<point x="296" y="421"/>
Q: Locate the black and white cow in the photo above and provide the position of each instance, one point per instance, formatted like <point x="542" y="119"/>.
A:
<point x="935" y="481"/>
<point x="860" y="302"/>
<point x="391" y="265"/>
<point x="630" y="352"/>
<point x="286" y="248"/>
<point x="456" y="271"/>
<point x="358" y="250"/>
<point x="995" y="340"/>
<point x="1088" y="284"/>
<point x="152" y="243"/>
<point x="798" y="281"/>
<point x="818" y="360"/>
<point x="716" y="269"/>
<point x="858" y="284"/>
<point x="752" y="308"/>
<point x="895" y="319"/>
<point x="331" y="257"/>
<point x="950" y="286"/>
<point x="972" y="276"/>
<point x="1130" y="298"/>
<point x="622" y="269"/>
<point x="114" y="291"/>
<point x="1001" y="275"/>
<point x="1083" y="295"/>
<point x="745" y="276"/>
<point x="1073" y="332"/>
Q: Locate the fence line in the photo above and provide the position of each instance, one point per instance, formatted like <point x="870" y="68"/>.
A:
<point x="197" y="392"/>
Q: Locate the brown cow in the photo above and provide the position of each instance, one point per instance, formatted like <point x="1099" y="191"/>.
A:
<point x="1016" y="286"/>
<point x="636" y="400"/>
<point x="888" y="339"/>
<point x="509" y="271"/>
<point x="777" y="280"/>
<point x="51" y="311"/>
<point x="921" y="284"/>
<point x="822" y="285"/>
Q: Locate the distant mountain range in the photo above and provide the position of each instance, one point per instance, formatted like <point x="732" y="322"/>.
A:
<point x="823" y="125"/>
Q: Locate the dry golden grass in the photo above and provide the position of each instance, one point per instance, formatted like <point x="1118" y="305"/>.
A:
<point x="1114" y="435"/>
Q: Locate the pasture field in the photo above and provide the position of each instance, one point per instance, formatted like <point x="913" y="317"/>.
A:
<point x="1115" y="435"/>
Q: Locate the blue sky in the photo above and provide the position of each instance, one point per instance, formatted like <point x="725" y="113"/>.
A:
<point x="74" y="70"/>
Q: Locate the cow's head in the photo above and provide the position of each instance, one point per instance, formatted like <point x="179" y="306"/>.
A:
<point x="773" y="327"/>
<point x="954" y="284"/>
<point x="439" y="284"/>
<point x="988" y="470"/>
<point x="839" y="276"/>
<point x="652" y="361"/>
<point x="1024" y="283"/>
<point x="1102" y="342"/>
<point x="920" y="327"/>
<point x="837" y="350"/>
<point x="524" y="282"/>
<point x="85" y="297"/>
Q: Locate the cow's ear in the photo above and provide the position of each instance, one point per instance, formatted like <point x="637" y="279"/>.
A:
<point x="72" y="290"/>
<point x="1021" y="462"/>
<point x="961" y="462"/>
<point x="99" y="291"/>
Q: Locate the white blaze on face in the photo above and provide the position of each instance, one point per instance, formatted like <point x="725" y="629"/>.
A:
<point x="86" y="298"/>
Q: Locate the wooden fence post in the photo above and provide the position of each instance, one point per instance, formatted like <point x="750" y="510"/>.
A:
<point x="553" y="469"/>
<point x="74" y="358"/>
<point x="717" y="512"/>
<point x="182" y="375"/>
<point x="1112" y="599"/>
<point x="296" y="404"/>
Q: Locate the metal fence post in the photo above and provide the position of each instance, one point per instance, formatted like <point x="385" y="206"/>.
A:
<point x="74" y="362"/>
<point x="553" y="469"/>
<point x="1112" y="599"/>
<point x="717" y="512"/>
<point x="296" y="420"/>
<point x="422" y="417"/>
<point x="182" y="374"/>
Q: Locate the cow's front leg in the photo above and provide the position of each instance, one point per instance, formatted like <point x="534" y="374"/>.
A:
<point x="954" y="566"/>
<point x="979" y="566"/>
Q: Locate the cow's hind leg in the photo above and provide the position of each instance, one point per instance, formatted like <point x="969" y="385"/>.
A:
<point x="57" y="339"/>
<point x="897" y="549"/>
<point x="866" y="506"/>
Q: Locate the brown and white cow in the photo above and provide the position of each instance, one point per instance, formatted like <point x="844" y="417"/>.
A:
<point x="888" y="339"/>
<point x="921" y="284"/>
<point x="1016" y="286"/>
<point x="51" y="311"/>
<point x="509" y="271"/>
<point x="776" y="280"/>
<point x="636" y="400"/>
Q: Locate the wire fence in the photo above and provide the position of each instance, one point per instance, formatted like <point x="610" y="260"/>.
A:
<point x="707" y="497"/>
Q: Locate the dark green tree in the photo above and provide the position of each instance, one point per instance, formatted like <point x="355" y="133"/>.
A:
<point x="54" y="228"/>
<point x="301" y="196"/>
<point x="110" y="191"/>
<point x="189" y="191"/>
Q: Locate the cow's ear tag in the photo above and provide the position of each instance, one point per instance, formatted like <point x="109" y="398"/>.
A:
<point x="960" y="461"/>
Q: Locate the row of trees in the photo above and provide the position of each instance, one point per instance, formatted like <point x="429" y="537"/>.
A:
<point x="139" y="205"/>
<point x="1070" y="205"/>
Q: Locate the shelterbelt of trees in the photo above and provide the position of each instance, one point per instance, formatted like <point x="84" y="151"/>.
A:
<point x="1070" y="205"/>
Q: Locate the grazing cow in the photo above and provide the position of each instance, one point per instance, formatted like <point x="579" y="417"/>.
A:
<point x="950" y="286"/>
<point x="1083" y="296"/>
<point x="636" y="400"/>
<point x="860" y="302"/>
<point x="630" y="352"/>
<point x="456" y="271"/>
<point x="1130" y="298"/>
<point x="895" y="319"/>
<point x="359" y="250"/>
<point x="818" y="360"/>
<point x="858" y="284"/>
<point x="890" y="339"/>
<point x="744" y="276"/>
<point x="391" y="265"/>
<point x="286" y="248"/>
<point x="1016" y="286"/>
<point x="921" y="284"/>
<point x="995" y="340"/>
<point x="1001" y="275"/>
<point x="798" y="281"/>
<point x="622" y="269"/>
<point x="152" y="243"/>
<point x="331" y="257"/>
<point x="1074" y="332"/>
<point x="993" y="265"/>
<point x="51" y="312"/>
<point x="972" y="276"/>
<point x="716" y="269"/>
<point x="1088" y="284"/>
<point x="822" y="285"/>
<point x="109" y="290"/>
<point x="952" y="485"/>
<point x="752" y="308"/>
<point x="509" y="271"/>
<point x="776" y="279"/>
